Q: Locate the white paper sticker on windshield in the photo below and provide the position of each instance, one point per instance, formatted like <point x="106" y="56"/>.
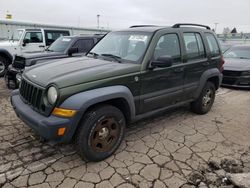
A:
<point x="138" y="38"/>
<point x="66" y="39"/>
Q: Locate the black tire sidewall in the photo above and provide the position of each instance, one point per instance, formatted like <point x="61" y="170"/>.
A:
<point x="87" y="127"/>
<point x="197" y="106"/>
<point x="211" y="86"/>
<point x="4" y="61"/>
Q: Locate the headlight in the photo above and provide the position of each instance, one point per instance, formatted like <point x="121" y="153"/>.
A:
<point x="52" y="95"/>
<point x="245" y="73"/>
<point x="18" y="77"/>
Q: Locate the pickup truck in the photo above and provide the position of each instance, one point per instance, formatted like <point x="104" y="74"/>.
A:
<point x="26" y="40"/>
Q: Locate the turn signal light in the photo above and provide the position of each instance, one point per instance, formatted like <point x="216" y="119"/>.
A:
<point x="64" y="112"/>
<point x="61" y="131"/>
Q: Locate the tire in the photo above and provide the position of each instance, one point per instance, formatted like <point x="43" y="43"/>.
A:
<point x="206" y="99"/>
<point x="100" y="133"/>
<point x="3" y="66"/>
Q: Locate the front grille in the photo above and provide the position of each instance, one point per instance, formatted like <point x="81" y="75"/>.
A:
<point x="31" y="94"/>
<point x="231" y="73"/>
<point x="229" y="81"/>
<point x="19" y="62"/>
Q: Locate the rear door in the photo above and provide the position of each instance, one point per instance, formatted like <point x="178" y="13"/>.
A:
<point x="162" y="87"/>
<point x="195" y="62"/>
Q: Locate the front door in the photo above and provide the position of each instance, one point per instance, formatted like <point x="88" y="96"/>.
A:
<point x="162" y="87"/>
<point x="34" y="42"/>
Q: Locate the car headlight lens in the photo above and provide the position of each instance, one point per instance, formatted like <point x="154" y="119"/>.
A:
<point x="52" y="95"/>
<point x="245" y="73"/>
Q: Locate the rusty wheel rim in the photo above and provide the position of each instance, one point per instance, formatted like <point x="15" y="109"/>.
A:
<point x="105" y="135"/>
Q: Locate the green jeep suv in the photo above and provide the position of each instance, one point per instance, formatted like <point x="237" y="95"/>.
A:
<point x="126" y="76"/>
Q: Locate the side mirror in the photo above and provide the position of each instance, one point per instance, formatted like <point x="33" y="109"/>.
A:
<point x="163" y="61"/>
<point x="72" y="51"/>
<point x="25" y="41"/>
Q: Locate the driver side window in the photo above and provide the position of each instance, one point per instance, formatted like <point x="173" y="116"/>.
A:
<point x="34" y="37"/>
<point x="168" y="45"/>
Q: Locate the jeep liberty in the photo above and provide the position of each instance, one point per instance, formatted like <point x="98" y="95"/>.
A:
<point x="126" y="76"/>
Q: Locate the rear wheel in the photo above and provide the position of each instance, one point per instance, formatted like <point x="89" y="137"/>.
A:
<point x="100" y="133"/>
<point x="206" y="99"/>
<point x="3" y="66"/>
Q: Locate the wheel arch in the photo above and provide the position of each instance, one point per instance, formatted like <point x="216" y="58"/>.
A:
<point x="212" y="75"/>
<point x="118" y="96"/>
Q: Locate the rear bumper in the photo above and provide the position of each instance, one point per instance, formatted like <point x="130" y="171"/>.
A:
<point x="46" y="127"/>
<point x="237" y="82"/>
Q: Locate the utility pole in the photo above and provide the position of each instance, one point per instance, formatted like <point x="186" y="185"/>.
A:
<point x="215" y="27"/>
<point x="98" y="21"/>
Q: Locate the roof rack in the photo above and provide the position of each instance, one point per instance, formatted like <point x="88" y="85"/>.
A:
<point x="134" y="26"/>
<point x="187" y="24"/>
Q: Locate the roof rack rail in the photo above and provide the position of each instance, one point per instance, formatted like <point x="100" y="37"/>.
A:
<point x="187" y="24"/>
<point x="134" y="26"/>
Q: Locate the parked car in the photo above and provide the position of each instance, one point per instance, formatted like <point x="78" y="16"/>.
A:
<point x="126" y="76"/>
<point x="237" y="67"/>
<point x="26" y="40"/>
<point x="63" y="47"/>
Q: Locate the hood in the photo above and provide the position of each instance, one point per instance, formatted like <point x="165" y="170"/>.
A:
<point x="237" y="64"/>
<point x="8" y="43"/>
<point x="35" y="55"/>
<point x="77" y="70"/>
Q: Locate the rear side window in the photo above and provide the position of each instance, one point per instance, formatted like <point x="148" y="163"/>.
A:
<point x="168" y="45"/>
<point x="194" y="46"/>
<point x="84" y="45"/>
<point x="212" y="44"/>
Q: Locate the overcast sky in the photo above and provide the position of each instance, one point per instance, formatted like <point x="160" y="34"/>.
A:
<point x="117" y="14"/>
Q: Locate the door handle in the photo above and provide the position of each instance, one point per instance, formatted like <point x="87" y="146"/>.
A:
<point x="178" y="70"/>
<point x="205" y="63"/>
<point x="41" y="46"/>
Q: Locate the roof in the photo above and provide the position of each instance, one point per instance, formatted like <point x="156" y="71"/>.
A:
<point x="180" y="26"/>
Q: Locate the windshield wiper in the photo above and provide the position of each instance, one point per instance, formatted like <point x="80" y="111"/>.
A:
<point x="115" y="57"/>
<point x="244" y="58"/>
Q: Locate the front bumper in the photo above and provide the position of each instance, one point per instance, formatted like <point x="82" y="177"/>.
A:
<point x="46" y="127"/>
<point x="236" y="81"/>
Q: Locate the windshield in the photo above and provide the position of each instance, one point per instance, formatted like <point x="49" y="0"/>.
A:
<point x="238" y="52"/>
<point x="17" y="35"/>
<point x="125" y="46"/>
<point x="60" y="45"/>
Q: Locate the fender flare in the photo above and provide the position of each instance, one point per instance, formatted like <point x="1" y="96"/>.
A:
<point x="206" y="76"/>
<point x="82" y="101"/>
<point x="7" y="54"/>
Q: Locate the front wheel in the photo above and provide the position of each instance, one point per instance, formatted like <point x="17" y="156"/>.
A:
<point x="100" y="133"/>
<point x="206" y="99"/>
<point x="3" y="66"/>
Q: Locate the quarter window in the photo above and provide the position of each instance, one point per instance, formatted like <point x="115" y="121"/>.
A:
<point x="168" y="45"/>
<point x="34" y="37"/>
<point x="194" y="46"/>
<point x="212" y="44"/>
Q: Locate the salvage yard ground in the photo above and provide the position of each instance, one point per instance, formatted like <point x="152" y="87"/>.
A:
<point x="174" y="149"/>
